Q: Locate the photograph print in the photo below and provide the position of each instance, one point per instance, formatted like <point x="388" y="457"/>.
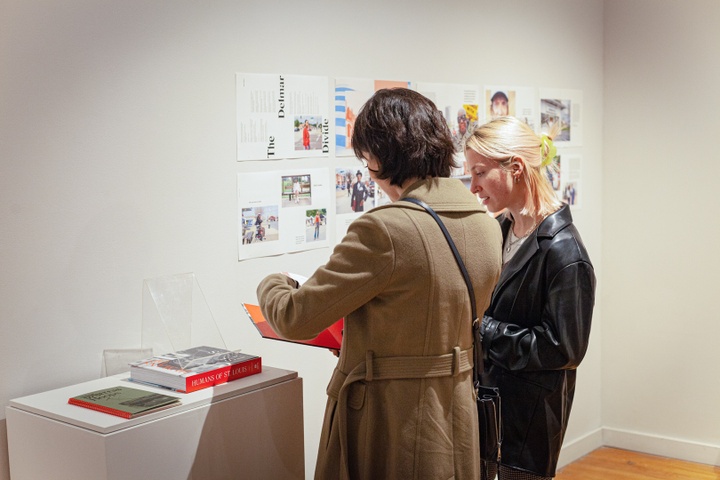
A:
<point x="552" y="111"/>
<point x="315" y="224"/>
<point x="260" y="224"/>
<point x="308" y="132"/>
<point x="296" y="190"/>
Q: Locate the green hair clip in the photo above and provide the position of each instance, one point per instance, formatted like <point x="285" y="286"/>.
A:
<point x="547" y="157"/>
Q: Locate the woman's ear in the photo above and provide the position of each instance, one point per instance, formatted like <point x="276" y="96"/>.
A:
<point x="517" y="167"/>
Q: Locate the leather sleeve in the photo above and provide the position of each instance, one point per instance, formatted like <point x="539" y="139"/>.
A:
<point x="560" y="340"/>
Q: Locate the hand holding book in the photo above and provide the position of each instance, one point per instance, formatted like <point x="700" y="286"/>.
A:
<point x="300" y="279"/>
<point x="330" y="338"/>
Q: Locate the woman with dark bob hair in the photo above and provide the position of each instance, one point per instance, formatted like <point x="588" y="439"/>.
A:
<point x="407" y="134"/>
<point x="401" y="399"/>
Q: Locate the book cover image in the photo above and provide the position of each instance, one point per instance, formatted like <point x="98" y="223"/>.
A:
<point x="124" y="402"/>
<point x="195" y="368"/>
<point x="197" y="359"/>
<point x="331" y="337"/>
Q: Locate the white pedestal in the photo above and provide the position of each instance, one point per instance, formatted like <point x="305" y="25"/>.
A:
<point x="251" y="428"/>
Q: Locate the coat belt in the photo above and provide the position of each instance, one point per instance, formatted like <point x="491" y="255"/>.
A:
<point x="391" y="368"/>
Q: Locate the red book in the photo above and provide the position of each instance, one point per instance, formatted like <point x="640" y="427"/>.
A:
<point x="195" y="368"/>
<point x="331" y="337"/>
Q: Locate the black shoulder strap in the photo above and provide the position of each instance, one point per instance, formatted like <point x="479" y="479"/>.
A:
<point x="454" y="249"/>
<point x="461" y="264"/>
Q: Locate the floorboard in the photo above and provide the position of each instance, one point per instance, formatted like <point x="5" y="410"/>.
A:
<point x="615" y="464"/>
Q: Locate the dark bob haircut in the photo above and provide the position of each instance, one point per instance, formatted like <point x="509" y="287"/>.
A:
<point x="406" y="133"/>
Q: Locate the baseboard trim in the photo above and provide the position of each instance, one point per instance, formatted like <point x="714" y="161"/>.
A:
<point x="580" y="447"/>
<point x="639" y="442"/>
<point x="667" y="447"/>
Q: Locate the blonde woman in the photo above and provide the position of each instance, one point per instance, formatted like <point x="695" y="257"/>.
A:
<point x="536" y="330"/>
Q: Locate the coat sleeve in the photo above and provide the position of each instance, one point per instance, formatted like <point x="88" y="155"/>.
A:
<point x="561" y="339"/>
<point x="357" y="270"/>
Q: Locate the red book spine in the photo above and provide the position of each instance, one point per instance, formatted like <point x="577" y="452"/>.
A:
<point x="251" y="367"/>
<point x="99" y="408"/>
<point x="223" y="375"/>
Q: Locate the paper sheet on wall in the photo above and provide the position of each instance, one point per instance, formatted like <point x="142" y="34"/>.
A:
<point x="282" y="116"/>
<point x="518" y="102"/>
<point x="461" y="107"/>
<point x="282" y="211"/>
<point x="355" y="193"/>
<point x="350" y="95"/>
<point x="564" y="106"/>
<point x="567" y="180"/>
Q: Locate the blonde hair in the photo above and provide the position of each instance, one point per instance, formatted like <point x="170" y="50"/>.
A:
<point x="506" y="139"/>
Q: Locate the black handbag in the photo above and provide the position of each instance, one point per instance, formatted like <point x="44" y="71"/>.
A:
<point x="488" y="398"/>
<point x="488" y="403"/>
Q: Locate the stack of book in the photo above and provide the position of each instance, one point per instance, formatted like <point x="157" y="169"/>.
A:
<point x="124" y="402"/>
<point x="195" y="368"/>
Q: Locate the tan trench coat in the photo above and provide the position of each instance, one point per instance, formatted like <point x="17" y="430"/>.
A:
<point x="400" y="402"/>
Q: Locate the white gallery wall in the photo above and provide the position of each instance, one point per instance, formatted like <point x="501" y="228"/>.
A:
<point x="661" y="321"/>
<point x="117" y="164"/>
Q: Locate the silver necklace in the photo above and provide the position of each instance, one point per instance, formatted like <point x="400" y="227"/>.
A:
<point x="512" y="243"/>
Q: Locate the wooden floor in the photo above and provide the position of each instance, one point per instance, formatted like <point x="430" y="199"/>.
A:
<point x="613" y="464"/>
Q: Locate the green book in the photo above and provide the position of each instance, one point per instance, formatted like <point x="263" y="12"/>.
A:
<point x="124" y="402"/>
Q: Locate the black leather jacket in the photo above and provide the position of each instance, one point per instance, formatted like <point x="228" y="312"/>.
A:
<point x="535" y="333"/>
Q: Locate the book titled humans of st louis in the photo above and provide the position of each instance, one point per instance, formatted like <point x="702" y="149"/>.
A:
<point x="124" y="402"/>
<point x="195" y="368"/>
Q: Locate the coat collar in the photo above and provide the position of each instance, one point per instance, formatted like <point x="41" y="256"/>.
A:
<point x="443" y="195"/>
<point x="555" y="222"/>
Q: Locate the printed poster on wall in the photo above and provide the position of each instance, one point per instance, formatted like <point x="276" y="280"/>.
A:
<point x="518" y="102"/>
<point x="355" y="193"/>
<point x="461" y="106"/>
<point x="564" y="107"/>
<point x="566" y="181"/>
<point x="350" y="95"/>
<point x="282" y="116"/>
<point x="282" y="211"/>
